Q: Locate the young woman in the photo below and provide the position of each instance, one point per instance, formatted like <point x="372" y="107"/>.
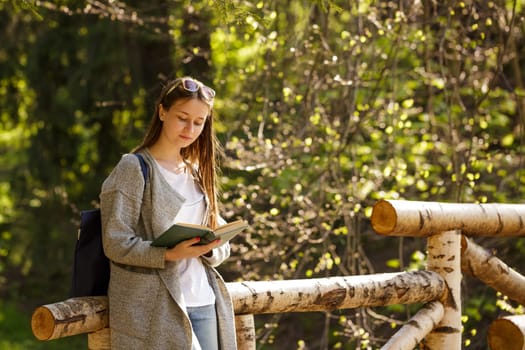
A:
<point x="163" y="298"/>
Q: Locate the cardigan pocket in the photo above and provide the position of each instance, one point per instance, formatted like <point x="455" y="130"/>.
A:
<point x="132" y="299"/>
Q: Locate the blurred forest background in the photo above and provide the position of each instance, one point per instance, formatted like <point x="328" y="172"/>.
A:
<point x="324" y="107"/>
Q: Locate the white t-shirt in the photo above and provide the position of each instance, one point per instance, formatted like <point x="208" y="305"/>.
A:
<point x="193" y="278"/>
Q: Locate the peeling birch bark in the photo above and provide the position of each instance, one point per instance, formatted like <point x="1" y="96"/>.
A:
<point x="507" y="333"/>
<point x="70" y="317"/>
<point x="411" y="334"/>
<point x="444" y="255"/>
<point x="336" y="292"/>
<point x="245" y="327"/>
<point x="478" y="262"/>
<point x="419" y="219"/>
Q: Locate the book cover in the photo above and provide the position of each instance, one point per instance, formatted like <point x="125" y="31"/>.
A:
<point x="181" y="231"/>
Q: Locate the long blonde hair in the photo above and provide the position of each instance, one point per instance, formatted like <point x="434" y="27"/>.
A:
<point x="203" y="152"/>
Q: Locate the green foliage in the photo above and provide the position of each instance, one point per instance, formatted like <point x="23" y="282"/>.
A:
<point x="374" y="102"/>
<point x="24" y="5"/>
<point x="324" y="107"/>
<point x="15" y="333"/>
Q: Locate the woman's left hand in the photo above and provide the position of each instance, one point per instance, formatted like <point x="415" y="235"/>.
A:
<point x="190" y="249"/>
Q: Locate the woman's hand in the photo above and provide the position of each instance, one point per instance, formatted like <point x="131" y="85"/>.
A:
<point x="190" y="249"/>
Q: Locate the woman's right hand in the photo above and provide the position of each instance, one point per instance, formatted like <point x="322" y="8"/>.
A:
<point x="189" y="249"/>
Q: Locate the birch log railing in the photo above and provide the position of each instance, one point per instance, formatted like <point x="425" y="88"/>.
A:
<point x="446" y="226"/>
<point x="437" y="324"/>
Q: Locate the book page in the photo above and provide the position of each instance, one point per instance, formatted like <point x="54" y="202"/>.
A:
<point x="183" y="231"/>
<point x="230" y="230"/>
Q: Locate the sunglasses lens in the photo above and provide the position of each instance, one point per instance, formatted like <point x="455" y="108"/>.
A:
<point x="190" y="85"/>
<point x="194" y="86"/>
<point x="207" y="92"/>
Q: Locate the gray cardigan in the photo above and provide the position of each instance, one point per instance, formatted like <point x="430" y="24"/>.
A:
<point x="146" y="308"/>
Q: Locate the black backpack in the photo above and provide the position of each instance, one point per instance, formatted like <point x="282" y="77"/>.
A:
<point x="91" y="266"/>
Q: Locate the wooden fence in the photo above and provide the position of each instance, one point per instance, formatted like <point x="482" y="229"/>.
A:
<point x="437" y="324"/>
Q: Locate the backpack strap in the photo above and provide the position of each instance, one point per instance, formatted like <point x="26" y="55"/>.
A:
<point x="143" y="167"/>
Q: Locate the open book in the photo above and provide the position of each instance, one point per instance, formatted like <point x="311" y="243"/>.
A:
<point x="181" y="231"/>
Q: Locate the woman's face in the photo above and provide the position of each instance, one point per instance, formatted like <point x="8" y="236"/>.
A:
<point x="183" y="121"/>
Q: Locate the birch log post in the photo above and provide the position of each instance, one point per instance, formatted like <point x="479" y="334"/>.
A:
<point x="478" y="262"/>
<point x="245" y="328"/>
<point x="411" y="334"/>
<point x="419" y="219"/>
<point x="100" y="340"/>
<point x="444" y="255"/>
<point x="507" y="333"/>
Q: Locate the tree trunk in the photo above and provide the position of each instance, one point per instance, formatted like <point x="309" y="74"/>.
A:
<point x="478" y="262"/>
<point x="444" y="255"/>
<point x="507" y="333"/>
<point x="195" y="39"/>
<point x="416" y="328"/>
<point x="418" y="219"/>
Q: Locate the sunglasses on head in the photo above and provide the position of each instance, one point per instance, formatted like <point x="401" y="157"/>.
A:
<point x="192" y="85"/>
